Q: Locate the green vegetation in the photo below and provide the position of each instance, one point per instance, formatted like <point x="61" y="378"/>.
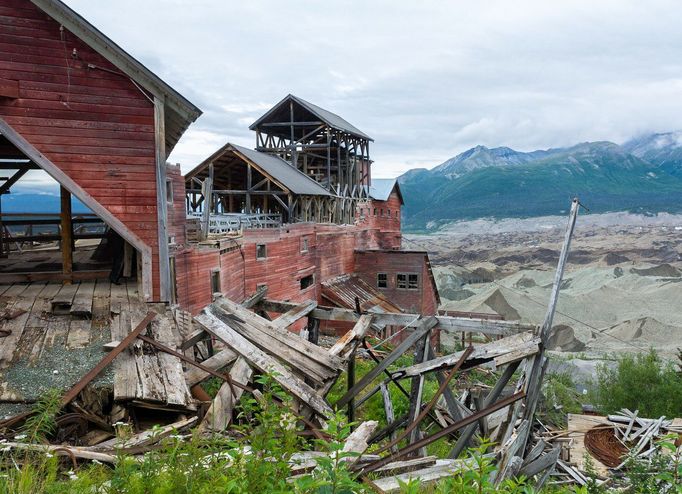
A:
<point x="639" y="382"/>
<point x="560" y="398"/>
<point x="256" y="456"/>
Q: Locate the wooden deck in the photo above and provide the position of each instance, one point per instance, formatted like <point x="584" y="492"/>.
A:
<point x="56" y="333"/>
<point x="45" y="263"/>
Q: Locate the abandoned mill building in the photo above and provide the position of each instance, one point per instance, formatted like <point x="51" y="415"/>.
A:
<point x="299" y="213"/>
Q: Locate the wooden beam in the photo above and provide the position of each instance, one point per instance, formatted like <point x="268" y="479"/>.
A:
<point x="298" y="312"/>
<point x="445" y="323"/>
<point x="264" y="362"/>
<point x="13" y="179"/>
<point x="66" y="233"/>
<point x="424" y="327"/>
<point x="219" y="414"/>
<point x="161" y="203"/>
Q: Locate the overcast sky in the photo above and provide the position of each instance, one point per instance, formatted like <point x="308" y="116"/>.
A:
<point x="426" y="79"/>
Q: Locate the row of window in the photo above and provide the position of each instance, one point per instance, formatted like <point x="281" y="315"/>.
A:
<point x="379" y="212"/>
<point x="403" y="281"/>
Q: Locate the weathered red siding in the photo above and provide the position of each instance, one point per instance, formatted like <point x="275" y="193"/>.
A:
<point x="385" y="217"/>
<point x="392" y="262"/>
<point x="95" y="125"/>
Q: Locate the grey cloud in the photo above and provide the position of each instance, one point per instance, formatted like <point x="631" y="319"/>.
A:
<point x="426" y="79"/>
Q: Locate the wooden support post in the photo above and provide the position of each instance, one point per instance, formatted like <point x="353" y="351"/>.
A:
<point x="67" y="234"/>
<point x="207" y="192"/>
<point x="351" y="383"/>
<point x="249" y="185"/>
<point x="537" y="366"/>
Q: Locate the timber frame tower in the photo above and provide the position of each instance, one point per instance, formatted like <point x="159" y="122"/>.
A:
<point x="320" y="144"/>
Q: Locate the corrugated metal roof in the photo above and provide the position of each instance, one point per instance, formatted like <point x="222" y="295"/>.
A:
<point x="343" y="289"/>
<point x="381" y="188"/>
<point x="292" y="178"/>
<point x="331" y="119"/>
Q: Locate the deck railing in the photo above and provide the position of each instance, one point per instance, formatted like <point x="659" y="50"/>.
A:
<point x="231" y="222"/>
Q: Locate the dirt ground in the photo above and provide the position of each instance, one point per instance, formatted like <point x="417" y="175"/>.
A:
<point x="622" y="289"/>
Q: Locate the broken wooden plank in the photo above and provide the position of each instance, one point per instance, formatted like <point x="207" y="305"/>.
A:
<point x="425" y="326"/>
<point x="61" y="303"/>
<point x="79" y="334"/>
<point x="263" y="362"/>
<point x="357" y="442"/>
<point x="312" y="351"/>
<point x="108" y="358"/>
<point x="63" y="450"/>
<point x="345" y="345"/>
<point x="143" y="439"/>
<point x="219" y="414"/>
<point x="81" y="305"/>
<point x="298" y="312"/>
<point x="482" y="353"/>
<point x="223" y="358"/>
<point x="285" y="349"/>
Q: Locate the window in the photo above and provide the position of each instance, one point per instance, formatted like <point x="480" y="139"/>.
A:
<point x="261" y="252"/>
<point x="382" y="211"/>
<point x="307" y="281"/>
<point x="388" y="213"/>
<point x="382" y="280"/>
<point x="407" y="281"/>
<point x="169" y="191"/>
<point x="215" y="281"/>
<point x="304" y="244"/>
<point x="375" y="211"/>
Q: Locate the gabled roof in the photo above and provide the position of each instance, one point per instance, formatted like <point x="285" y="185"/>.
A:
<point x="329" y="118"/>
<point x="282" y="172"/>
<point x="179" y="112"/>
<point x="382" y="188"/>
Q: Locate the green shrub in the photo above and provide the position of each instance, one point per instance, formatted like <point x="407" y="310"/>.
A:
<point x="641" y="382"/>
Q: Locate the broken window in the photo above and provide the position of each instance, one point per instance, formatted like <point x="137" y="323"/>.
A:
<point x="215" y="281"/>
<point x="304" y="244"/>
<point x="307" y="281"/>
<point x="382" y="280"/>
<point x="261" y="252"/>
<point x="169" y="191"/>
<point x="407" y="281"/>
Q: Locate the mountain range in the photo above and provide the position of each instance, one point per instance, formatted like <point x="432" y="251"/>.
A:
<point x="643" y="175"/>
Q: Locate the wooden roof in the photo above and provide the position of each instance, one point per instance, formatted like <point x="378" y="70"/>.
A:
<point x="281" y="172"/>
<point x="281" y="113"/>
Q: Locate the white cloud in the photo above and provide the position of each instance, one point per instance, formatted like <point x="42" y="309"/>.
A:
<point x="426" y="79"/>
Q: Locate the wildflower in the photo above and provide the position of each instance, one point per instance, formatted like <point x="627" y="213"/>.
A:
<point x="20" y="437"/>
<point x="72" y="475"/>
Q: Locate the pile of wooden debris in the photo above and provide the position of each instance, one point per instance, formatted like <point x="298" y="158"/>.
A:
<point x="160" y="360"/>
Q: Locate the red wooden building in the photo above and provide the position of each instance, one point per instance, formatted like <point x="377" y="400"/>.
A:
<point x="76" y="106"/>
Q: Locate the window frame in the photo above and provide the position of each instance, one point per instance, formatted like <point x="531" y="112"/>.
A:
<point x="407" y="283"/>
<point x="264" y="255"/>
<point x="385" y="280"/>
<point x="309" y="280"/>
